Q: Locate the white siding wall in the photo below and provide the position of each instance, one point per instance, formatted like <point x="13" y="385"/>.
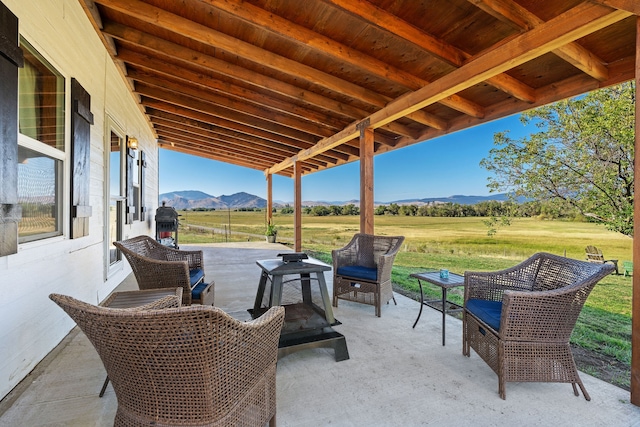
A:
<point x="30" y="324"/>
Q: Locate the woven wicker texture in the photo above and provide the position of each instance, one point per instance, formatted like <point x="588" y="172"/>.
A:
<point x="371" y="251"/>
<point x="189" y="366"/>
<point x="158" y="266"/>
<point x="541" y="300"/>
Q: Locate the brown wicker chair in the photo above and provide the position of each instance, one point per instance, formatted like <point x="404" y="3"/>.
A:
<point x="185" y="366"/>
<point x="158" y="266"/>
<point x="519" y="320"/>
<point x="362" y="270"/>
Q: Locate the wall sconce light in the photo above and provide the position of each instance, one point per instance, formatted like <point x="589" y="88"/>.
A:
<point x="132" y="143"/>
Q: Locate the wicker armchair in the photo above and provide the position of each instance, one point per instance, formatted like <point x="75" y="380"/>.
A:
<point x="362" y="270"/>
<point x="158" y="266"/>
<point x="198" y="367"/>
<point x="519" y="320"/>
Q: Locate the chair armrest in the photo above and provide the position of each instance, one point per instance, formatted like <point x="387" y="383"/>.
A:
<point x="385" y="266"/>
<point x="251" y="346"/>
<point x="544" y="315"/>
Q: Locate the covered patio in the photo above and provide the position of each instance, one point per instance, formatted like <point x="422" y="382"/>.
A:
<point x="295" y="88"/>
<point x="288" y="88"/>
<point x="396" y="375"/>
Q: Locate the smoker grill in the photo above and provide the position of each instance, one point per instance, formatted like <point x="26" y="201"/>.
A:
<point x="167" y="226"/>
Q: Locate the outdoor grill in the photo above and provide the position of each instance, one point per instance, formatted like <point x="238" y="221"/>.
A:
<point x="167" y="226"/>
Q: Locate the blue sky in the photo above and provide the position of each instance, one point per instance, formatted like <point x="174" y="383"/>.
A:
<point x="438" y="167"/>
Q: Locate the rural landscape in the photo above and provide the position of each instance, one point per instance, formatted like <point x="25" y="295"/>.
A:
<point x="602" y="338"/>
<point x="572" y="186"/>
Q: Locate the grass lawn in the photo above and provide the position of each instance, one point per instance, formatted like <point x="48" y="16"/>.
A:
<point x="459" y="244"/>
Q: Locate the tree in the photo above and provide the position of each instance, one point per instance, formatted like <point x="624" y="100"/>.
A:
<point x="380" y="210"/>
<point x="581" y="157"/>
<point x="350" y="209"/>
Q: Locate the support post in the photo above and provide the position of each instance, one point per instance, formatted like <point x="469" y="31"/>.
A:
<point x="366" y="177"/>
<point x="297" y="208"/>
<point x="269" y="198"/>
<point x="635" y="305"/>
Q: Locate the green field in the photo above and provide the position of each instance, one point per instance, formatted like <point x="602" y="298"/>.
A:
<point x="459" y="244"/>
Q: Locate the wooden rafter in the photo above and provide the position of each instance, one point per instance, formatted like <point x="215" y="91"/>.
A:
<point x="443" y="50"/>
<point x="327" y="46"/>
<point x="511" y="12"/>
<point x="199" y="33"/>
<point x="585" y="19"/>
<point x="183" y="56"/>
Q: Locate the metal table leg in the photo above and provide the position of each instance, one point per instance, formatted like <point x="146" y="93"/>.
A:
<point x="421" y="304"/>
<point x="444" y="310"/>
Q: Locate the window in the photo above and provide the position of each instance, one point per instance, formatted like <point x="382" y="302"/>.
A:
<point x="41" y="152"/>
<point x="116" y="193"/>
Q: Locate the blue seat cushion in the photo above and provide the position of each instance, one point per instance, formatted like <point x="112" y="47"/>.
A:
<point x="195" y="275"/>
<point x="359" y="272"/>
<point x="197" y="291"/>
<point x="487" y="311"/>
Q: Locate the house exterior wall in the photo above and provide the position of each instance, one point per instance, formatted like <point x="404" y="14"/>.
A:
<point x="30" y="324"/>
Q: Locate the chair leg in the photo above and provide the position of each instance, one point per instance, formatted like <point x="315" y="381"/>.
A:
<point x="584" y="390"/>
<point x="272" y="421"/>
<point x="104" y="386"/>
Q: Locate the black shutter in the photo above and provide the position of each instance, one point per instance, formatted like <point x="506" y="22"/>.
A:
<point x="143" y="171"/>
<point x="131" y="202"/>
<point x="10" y="59"/>
<point x="81" y="121"/>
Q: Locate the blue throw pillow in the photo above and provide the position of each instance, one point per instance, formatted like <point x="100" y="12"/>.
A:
<point x="487" y="311"/>
<point x="358" y="272"/>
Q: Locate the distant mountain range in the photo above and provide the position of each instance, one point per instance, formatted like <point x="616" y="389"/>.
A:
<point x="192" y="199"/>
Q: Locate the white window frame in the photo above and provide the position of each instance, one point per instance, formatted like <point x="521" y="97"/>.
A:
<point x="55" y="153"/>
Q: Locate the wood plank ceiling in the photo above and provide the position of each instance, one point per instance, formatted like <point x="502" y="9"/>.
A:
<point x="265" y="83"/>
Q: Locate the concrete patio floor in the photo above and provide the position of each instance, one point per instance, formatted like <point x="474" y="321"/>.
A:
<point x="396" y="375"/>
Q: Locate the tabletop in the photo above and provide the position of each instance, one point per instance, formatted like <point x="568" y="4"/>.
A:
<point x="279" y="267"/>
<point x="452" y="281"/>
<point x="128" y="299"/>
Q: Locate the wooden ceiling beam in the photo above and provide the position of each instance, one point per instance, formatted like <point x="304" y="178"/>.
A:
<point x="217" y="102"/>
<point x="204" y="107"/>
<point x="209" y="142"/>
<point x="577" y="22"/>
<point x="327" y="46"/>
<point x="180" y="120"/>
<point x="441" y="49"/>
<point x="522" y="19"/>
<point x="169" y="51"/>
<point x="156" y="72"/>
<point x="202" y="34"/>
<point x="233" y="111"/>
<point x="217" y="155"/>
<point x="236" y="155"/>
<point x="160" y="107"/>
<point x="237" y="139"/>
<point x="632" y="6"/>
